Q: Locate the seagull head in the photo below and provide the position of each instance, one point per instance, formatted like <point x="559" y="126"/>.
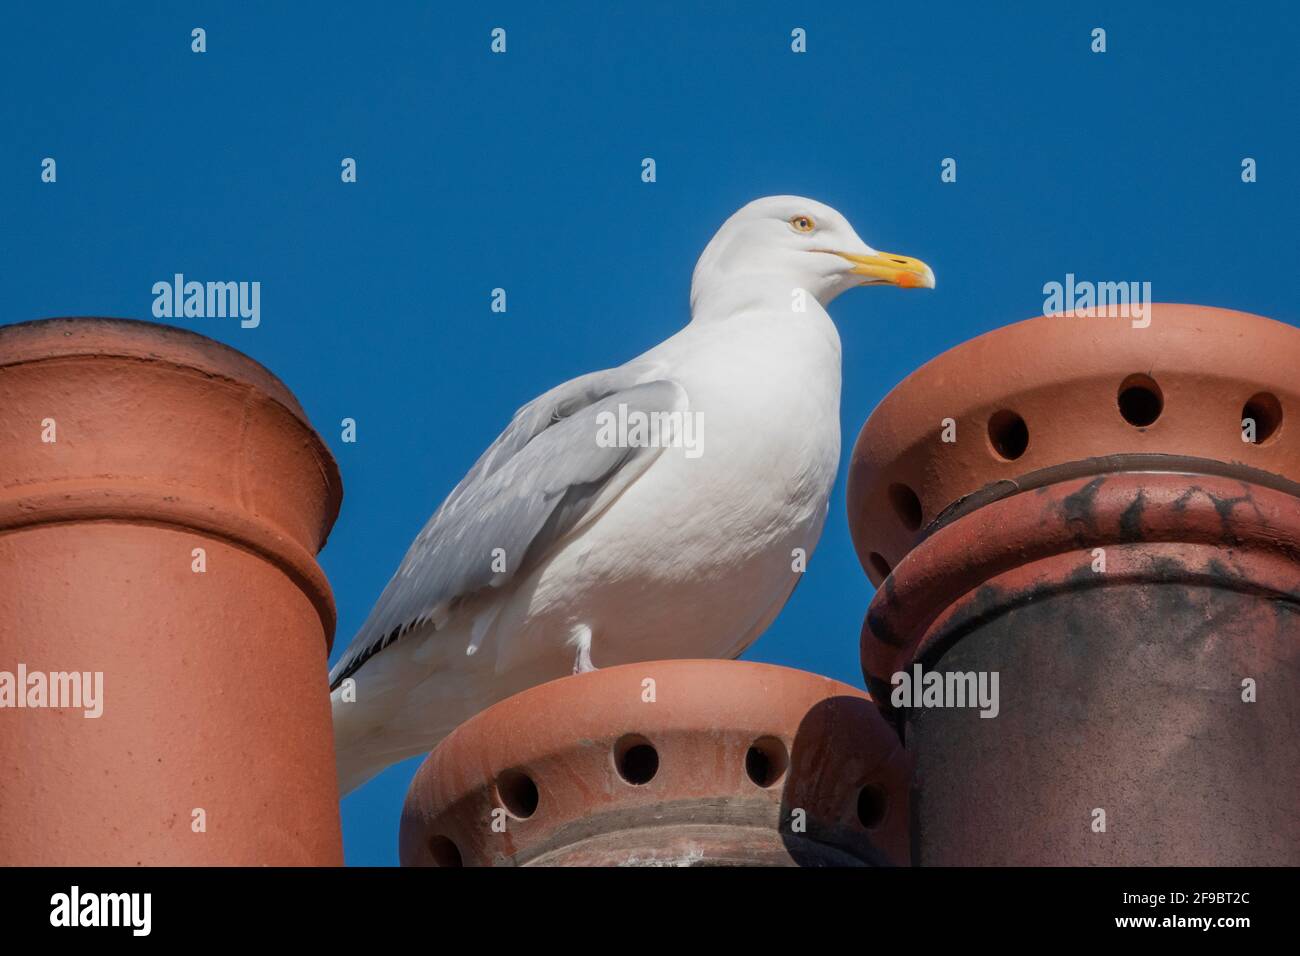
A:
<point x="803" y="243"/>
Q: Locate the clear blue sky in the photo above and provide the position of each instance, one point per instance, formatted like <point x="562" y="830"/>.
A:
<point x="523" y="171"/>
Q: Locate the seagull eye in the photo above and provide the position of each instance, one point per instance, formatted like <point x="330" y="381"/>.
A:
<point x="802" y="224"/>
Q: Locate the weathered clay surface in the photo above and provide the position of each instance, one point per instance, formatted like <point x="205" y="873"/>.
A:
<point x="1129" y="586"/>
<point x="1062" y="378"/>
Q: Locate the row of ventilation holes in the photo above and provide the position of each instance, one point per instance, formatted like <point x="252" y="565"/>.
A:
<point x="1140" y="403"/>
<point x="637" y="763"/>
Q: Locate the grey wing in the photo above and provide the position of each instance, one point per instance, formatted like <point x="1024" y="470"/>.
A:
<point x="536" y="483"/>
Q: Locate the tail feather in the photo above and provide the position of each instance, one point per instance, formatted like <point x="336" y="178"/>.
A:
<point x="361" y="764"/>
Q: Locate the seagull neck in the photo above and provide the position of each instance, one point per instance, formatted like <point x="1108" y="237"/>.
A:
<point x="723" y="298"/>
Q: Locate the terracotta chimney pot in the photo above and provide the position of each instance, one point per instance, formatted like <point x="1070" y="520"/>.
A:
<point x="669" y="763"/>
<point x="162" y="498"/>
<point x="1101" y="537"/>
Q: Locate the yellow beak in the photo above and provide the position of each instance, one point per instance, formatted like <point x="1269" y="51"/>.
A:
<point x="885" y="268"/>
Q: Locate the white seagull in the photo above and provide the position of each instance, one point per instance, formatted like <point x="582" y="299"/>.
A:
<point x="660" y="509"/>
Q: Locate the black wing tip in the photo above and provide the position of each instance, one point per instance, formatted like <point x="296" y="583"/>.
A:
<point x="357" y="662"/>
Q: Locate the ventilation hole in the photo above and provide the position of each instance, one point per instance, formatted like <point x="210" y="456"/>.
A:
<point x="878" y="565"/>
<point x="906" y="505"/>
<point x="1008" y="435"/>
<point x="444" y="852"/>
<point x="766" y="761"/>
<point x="1140" y="400"/>
<point x="636" y="759"/>
<point x="1266" y="412"/>
<point x="871" y="806"/>
<point x="518" y="794"/>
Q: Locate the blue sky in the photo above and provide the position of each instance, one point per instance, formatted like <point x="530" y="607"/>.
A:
<point x="523" y="171"/>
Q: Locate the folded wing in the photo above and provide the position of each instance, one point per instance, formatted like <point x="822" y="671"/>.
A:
<point x="545" y="477"/>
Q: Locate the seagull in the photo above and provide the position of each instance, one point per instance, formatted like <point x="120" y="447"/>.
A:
<point x="665" y="508"/>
